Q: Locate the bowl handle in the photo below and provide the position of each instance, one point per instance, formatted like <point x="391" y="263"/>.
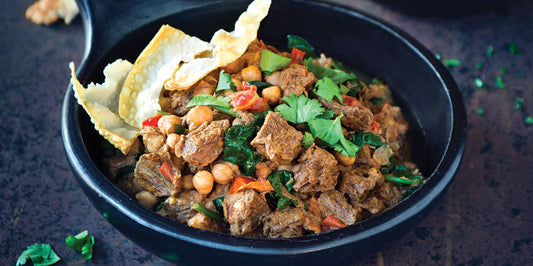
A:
<point x="107" y="22"/>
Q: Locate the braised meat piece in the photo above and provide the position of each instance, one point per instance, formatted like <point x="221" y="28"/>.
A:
<point x="335" y="204"/>
<point x="244" y="211"/>
<point x="148" y="174"/>
<point x="316" y="171"/>
<point x="373" y="205"/>
<point x="393" y="127"/>
<point x="355" y="117"/>
<point x="180" y="209"/>
<point x="179" y="100"/>
<point x="153" y="139"/>
<point x="294" y="79"/>
<point x="358" y="184"/>
<point x="204" y="144"/>
<point x="277" y="140"/>
<point x="390" y="194"/>
<point x="202" y="221"/>
<point x="290" y="222"/>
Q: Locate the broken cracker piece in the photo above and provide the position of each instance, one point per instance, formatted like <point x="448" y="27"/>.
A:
<point x="100" y="102"/>
<point x="169" y="49"/>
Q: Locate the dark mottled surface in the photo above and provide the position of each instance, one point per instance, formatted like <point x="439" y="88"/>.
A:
<point x="485" y="218"/>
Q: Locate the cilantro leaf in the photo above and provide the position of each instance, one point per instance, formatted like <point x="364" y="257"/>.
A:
<point x="330" y="131"/>
<point x="301" y="44"/>
<point x="307" y="140"/>
<point x="327" y="89"/>
<point x="336" y="75"/>
<point x="299" y="109"/>
<point x="221" y="103"/>
<point x="82" y="242"/>
<point x="271" y="61"/>
<point x="224" y="82"/>
<point x="39" y="254"/>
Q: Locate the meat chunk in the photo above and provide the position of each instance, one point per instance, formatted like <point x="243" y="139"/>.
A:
<point x="357" y="185"/>
<point x="244" y="211"/>
<point x="150" y="178"/>
<point x="277" y="140"/>
<point x="316" y="171"/>
<point x="390" y="194"/>
<point x="294" y="79"/>
<point x="153" y="139"/>
<point x="202" y="221"/>
<point x="393" y="127"/>
<point x="180" y="209"/>
<point x="355" y="117"/>
<point x="179" y="100"/>
<point x="335" y="204"/>
<point x="204" y="144"/>
<point x="290" y="222"/>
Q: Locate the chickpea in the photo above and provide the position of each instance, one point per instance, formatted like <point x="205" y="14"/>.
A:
<point x="251" y="73"/>
<point x="237" y="83"/>
<point x="274" y="79"/>
<point x="172" y="139"/>
<point x="166" y="123"/>
<point x="200" y="114"/>
<point x="272" y="94"/>
<point x="343" y="159"/>
<point x="222" y="173"/>
<point x="204" y="88"/>
<point x="262" y="170"/>
<point x="203" y="182"/>
<point x="187" y="182"/>
<point x="147" y="199"/>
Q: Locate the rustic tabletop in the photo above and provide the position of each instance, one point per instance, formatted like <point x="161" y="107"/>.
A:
<point x="485" y="217"/>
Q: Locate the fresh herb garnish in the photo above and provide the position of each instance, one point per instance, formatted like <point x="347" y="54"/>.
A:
<point x="479" y="83"/>
<point x="361" y="138"/>
<point x="39" y="254"/>
<point x="452" y="62"/>
<point x="401" y="176"/>
<point x="271" y="62"/>
<point x="82" y="242"/>
<point x="307" y="140"/>
<point x="529" y="120"/>
<point x="225" y="83"/>
<point x="301" y="44"/>
<point x="330" y="131"/>
<point x="238" y="150"/>
<point x="179" y="129"/>
<point x="218" y="202"/>
<point x="207" y="212"/>
<point x="336" y="75"/>
<point x="221" y="103"/>
<point x="327" y="89"/>
<point x="478" y="65"/>
<point x="518" y="102"/>
<point x="281" y="180"/>
<point x="514" y="49"/>
<point x="490" y="50"/>
<point x="299" y="109"/>
<point x="259" y="84"/>
<point x="480" y="111"/>
<point x="499" y="83"/>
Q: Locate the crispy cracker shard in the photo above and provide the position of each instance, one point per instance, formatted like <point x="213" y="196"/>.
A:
<point x="172" y="60"/>
<point x="100" y="101"/>
<point x="49" y="11"/>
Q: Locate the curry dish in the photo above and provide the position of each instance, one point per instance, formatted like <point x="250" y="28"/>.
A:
<point x="273" y="144"/>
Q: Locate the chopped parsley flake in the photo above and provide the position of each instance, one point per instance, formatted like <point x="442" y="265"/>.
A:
<point x="529" y="120"/>
<point x="438" y="56"/>
<point x="514" y="49"/>
<point x="299" y="109"/>
<point x="480" y="111"/>
<point x="490" y="50"/>
<point x="479" y="83"/>
<point x="478" y="65"/>
<point x="82" y="242"/>
<point x="518" y="102"/>
<point x="452" y="62"/>
<point x="39" y="254"/>
<point x="499" y="83"/>
<point x="503" y="70"/>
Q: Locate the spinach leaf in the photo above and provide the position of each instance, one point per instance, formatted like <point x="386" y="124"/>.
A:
<point x="238" y="150"/>
<point x="301" y="44"/>
<point x="280" y="180"/>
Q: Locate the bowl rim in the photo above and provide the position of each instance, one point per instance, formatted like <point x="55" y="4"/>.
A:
<point x="438" y="181"/>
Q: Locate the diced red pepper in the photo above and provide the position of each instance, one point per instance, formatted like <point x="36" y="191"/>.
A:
<point x="243" y="182"/>
<point x="248" y="100"/>
<point x="330" y="223"/>
<point x="151" y="121"/>
<point x="374" y="127"/>
<point x="297" y="55"/>
<point x="166" y="170"/>
<point x="349" y="100"/>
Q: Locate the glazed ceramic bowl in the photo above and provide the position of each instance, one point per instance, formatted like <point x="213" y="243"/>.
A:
<point x="420" y="84"/>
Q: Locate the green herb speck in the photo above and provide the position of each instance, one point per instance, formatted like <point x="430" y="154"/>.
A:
<point x="503" y="70"/>
<point x="479" y="83"/>
<point x="521" y="74"/>
<point x="514" y="49"/>
<point x="452" y="62"/>
<point x="499" y="83"/>
<point x="438" y="56"/>
<point x="490" y="50"/>
<point x="529" y="120"/>
<point x="478" y="65"/>
<point x="480" y="111"/>
<point x="518" y="102"/>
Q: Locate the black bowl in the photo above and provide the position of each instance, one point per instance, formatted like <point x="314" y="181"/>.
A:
<point x="421" y="85"/>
